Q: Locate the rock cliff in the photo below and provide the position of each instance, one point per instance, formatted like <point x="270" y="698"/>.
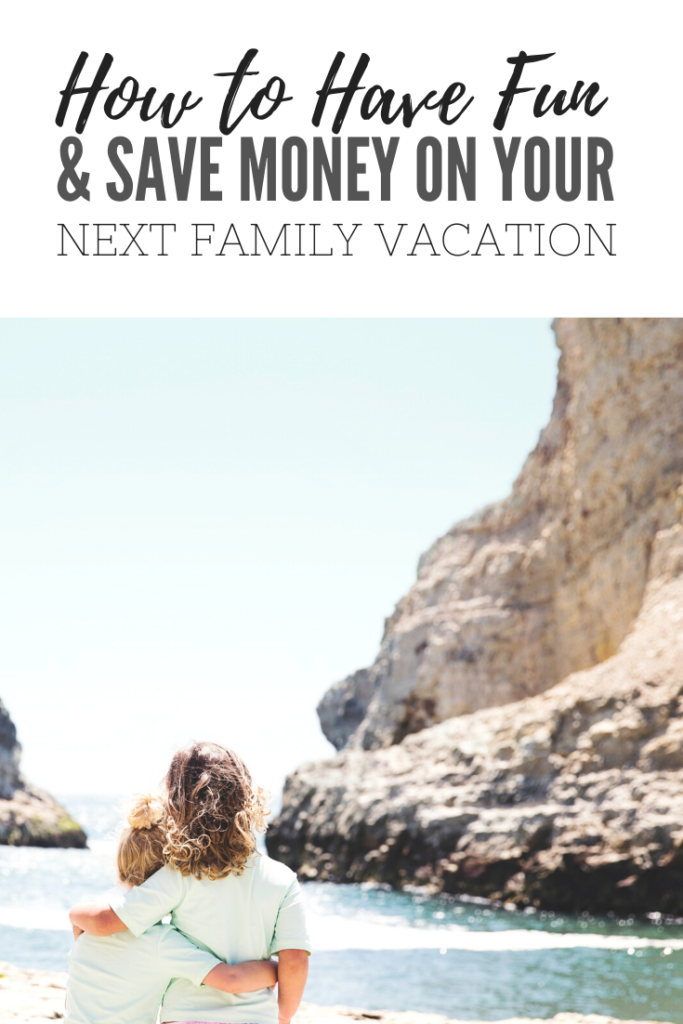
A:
<point x="28" y="816"/>
<point x="568" y="595"/>
<point x="548" y="581"/>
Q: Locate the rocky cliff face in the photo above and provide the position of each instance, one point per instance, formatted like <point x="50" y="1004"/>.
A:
<point x="548" y="581"/>
<point x="28" y="816"/>
<point x="568" y="798"/>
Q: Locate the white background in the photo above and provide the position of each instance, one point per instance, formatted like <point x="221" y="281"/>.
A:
<point x="631" y="49"/>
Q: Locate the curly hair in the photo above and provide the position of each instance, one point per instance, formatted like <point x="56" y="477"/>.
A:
<point x="214" y="812"/>
<point x="141" y="846"/>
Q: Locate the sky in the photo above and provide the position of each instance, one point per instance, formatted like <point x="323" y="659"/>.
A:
<point x="204" y="523"/>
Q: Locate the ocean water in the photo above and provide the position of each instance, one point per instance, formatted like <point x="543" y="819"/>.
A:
<point x="379" y="949"/>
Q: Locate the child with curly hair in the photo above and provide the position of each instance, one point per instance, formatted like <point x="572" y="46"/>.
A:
<point x="123" y="978"/>
<point x="221" y="893"/>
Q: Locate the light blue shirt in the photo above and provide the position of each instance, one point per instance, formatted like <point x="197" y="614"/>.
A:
<point x="241" y="917"/>
<point x="120" y="979"/>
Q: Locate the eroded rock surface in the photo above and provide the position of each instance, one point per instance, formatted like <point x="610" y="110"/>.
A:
<point x="549" y="581"/>
<point x="29" y="816"/>
<point x="570" y="799"/>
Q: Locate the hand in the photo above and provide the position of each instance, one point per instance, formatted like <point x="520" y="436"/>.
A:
<point x="76" y="930"/>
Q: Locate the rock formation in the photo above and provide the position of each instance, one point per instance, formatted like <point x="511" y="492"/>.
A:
<point x="548" y="581"/>
<point x="28" y="816"/>
<point x="572" y="796"/>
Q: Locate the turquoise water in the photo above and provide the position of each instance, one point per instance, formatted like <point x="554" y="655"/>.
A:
<point x="380" y="949"/>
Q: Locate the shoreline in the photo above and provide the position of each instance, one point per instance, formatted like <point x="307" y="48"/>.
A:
<point x="36" y="997"/>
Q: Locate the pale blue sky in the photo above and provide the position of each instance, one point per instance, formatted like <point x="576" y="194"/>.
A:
<point x="205" y="522"/>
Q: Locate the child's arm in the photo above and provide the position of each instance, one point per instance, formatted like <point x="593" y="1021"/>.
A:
<point x="96" y="919"/>
<point x="292" y="973"/>
<point x="249" y="976"/>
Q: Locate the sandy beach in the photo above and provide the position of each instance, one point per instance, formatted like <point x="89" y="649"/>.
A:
<point x="35" y="997"/>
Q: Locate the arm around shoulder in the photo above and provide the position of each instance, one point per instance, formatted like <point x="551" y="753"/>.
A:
<point x="249" y="976"/>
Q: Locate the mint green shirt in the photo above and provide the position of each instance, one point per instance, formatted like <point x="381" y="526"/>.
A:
<point x="120" y="979"/>
<point x="241" y="917"/>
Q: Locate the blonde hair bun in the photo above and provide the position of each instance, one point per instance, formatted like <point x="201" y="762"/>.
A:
<point x="146" y="811"/>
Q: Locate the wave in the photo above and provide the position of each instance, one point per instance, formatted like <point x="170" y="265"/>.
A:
<point x="333" y="932"/>
<point x="35" y="919"/>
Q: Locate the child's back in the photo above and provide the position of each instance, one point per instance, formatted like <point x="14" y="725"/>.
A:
<point x="120" y="979"/>
<point x="239" y="917"/>
<point x="220" y="892"/>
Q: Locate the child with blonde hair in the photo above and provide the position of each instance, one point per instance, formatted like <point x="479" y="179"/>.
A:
<point x="219" y="890"/>
<point x="120" y="978"/>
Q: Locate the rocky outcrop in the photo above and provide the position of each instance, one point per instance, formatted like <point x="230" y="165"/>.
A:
<point x="36" y="997"/>
<point x="9" y="755"/>
<point x="548" y="581"/>
<point x="29" y="816"/>
<point x="570" y="799"/>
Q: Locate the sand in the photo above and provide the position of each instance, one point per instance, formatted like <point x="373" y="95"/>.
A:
<point x="34" y="997"/>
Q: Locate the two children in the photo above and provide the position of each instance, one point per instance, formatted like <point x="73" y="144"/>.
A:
<point x="233" y="904"/>
<point x="123" y="979"/>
